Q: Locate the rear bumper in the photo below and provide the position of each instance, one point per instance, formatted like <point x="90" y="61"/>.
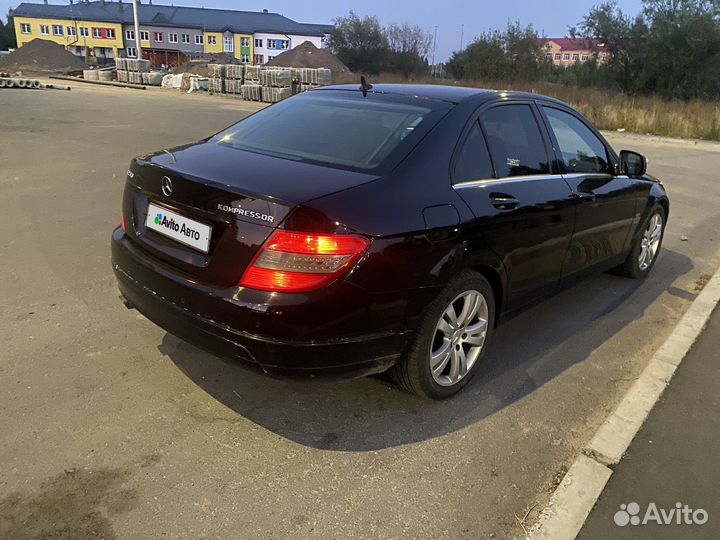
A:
<point x="201" y="315"/>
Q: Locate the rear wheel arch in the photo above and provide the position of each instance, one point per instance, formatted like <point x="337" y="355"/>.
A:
<point x="496" y="282"/>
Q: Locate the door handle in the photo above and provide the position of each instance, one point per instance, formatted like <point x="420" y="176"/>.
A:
<point x="583" y="196"/>
<point x="503" y="201"/>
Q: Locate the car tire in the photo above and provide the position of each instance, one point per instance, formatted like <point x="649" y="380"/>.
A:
<point x="413" y="372"/>
<point x="634" y="266"/>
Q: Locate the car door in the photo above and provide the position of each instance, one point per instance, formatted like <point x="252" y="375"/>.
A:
<point x="604" y="202"/>
<point x="522" y="208"/>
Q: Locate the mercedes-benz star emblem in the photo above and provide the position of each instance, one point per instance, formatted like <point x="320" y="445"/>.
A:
<point x="166" y="186"/>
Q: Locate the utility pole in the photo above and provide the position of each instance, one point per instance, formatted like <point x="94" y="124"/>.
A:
<point x="138" y="46"/>
<point x="462" y="32"/>
<point x="433" y="53"/>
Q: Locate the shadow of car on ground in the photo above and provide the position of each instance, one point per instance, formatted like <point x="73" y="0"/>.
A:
<point x="371" y="414"/>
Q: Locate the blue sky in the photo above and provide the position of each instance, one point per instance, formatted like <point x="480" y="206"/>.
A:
<point x="552" y="17"/>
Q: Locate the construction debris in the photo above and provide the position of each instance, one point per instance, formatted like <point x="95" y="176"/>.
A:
<point x="31" y="84"/>
<point x="307" y="55"/>
<point x="41" y="56"/>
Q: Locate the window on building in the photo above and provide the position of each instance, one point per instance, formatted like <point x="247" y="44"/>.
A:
<point x="245" y="42"/>
<point x="129" y="34"/>
<point x="566" y="56"/>
<point x="97" y="33"/>
<point x="516" y="145"/>
<point x="25" y="28"/>
<point x="172" y="38"/>
<point x="284" y="44"/>
<point x="71" y="31"/>
<point x="549" y="56"/>
<point x="131" y="52"/>
<point x="576" y="57"/>
<point x="557" y="56"/>
<point x="158" y="36"/>
<point x="57" y="30"/>
<point x="582" y="151"/>
<point x="186" y="38"/>
<point x="272" y="43"/>
<point x="110" y="33"/>
<point x="199" y="39"/>
<point x="473" y="161"/>
<point x="258" y="59"/>
<point x="585" y="57"/>
<point x="44" y="29"/>
<point x="212" y="40"/>
<point x="258" y="42"/>
<point x="144" y="35"/>
<point x="228" y="45"/>
<point x="83" y="31"/>
<point x="245" y="58"/>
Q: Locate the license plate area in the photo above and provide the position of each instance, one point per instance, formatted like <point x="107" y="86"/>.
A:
<point x="182" y="229"/>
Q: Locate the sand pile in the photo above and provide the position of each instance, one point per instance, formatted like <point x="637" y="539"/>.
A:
<point x="307" y="55"/>
<point x="42" y="56"/>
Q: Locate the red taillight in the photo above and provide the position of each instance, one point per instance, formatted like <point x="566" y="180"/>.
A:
<point x="122" y="222"/>
<point x="299" y="262"/>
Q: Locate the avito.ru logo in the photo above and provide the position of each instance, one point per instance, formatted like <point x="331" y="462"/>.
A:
<point x="682" y="514"/>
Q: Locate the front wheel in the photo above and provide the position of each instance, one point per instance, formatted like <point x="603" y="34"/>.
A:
<point x="644" y="252"/>
<point x="451" y="340"/>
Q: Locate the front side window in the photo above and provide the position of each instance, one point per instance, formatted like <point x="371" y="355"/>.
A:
<point x="228" y="44"/>
<point x="342" y="129"/>
<point x="516" y="144"/>
<point x="212" y="40"/>
<point x="258" y="42"/>
<point x="245" y="59"/>
<point x="582" y="151"/>
<point x="57" y="30"/>
<point x="144" y="35"/>
<point x="566" y="56"/>
<point x="271" y="44"/>
<point x="44" y="29"/>
<point x="131" y="52"/>
<point x="186" y="38"/>
<point x="84" y="31"/>
<point x="199" y="40"/>
<point x="473" y="161"/>
<point x="158" y="36"/>
<point x="110" y="33"/>
<point x="575" y="57"/>
<point x="71" y="31"/>
<point x="25" y="28"/>
<point x="172" y="38"/>
<point x="258" y="59"/>
<point x="129" y="34"/>
<point x="244" y="42"/>
<point x="557" y="56"/>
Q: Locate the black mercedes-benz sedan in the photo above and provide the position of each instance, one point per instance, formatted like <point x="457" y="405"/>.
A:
<point x="352" y="229"/>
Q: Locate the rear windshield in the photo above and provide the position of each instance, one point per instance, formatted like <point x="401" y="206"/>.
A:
<point x="337" y="128"/>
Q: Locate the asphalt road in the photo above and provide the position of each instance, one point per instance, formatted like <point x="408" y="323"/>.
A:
<point x="112" y="428"/>
<point x="671" y="460"/>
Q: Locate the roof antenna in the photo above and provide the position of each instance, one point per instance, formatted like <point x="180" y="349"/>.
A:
<point x="364" y="86"/>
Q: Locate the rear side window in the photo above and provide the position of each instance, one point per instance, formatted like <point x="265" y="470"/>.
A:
<point x="516" y="145"/>
<point x="338" y="128"/>
<point x="582" y="151"/>
<point x="473" y="162"/>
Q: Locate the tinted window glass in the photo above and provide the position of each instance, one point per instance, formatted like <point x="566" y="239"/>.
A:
<point x="515" y="142"/>
<point x="335" y="128"/>
<point x="473" y="162"/>
<point x="581" y="150"/>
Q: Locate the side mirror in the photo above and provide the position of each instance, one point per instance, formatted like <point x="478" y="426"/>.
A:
<point x="632" y="163"/>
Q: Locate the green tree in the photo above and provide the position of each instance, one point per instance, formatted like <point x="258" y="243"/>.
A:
<point x="7" y="34"/>
<point x="513" y="55"/>
<point x="359" y="42"/>
<point x="408" y="49"/>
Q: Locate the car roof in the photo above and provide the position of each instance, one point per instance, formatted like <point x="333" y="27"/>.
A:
<point x="452" y="94"/>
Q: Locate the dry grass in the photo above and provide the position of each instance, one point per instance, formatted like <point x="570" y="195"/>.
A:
<point x="615" y="110"/>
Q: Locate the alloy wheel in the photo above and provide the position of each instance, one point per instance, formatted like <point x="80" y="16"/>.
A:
<point x="650" y="242"/>
<point x="459" y="338"/>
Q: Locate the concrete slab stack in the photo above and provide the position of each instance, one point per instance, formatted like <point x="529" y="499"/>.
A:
<point x="216" y="78"/>
<point x="131" y="69"/>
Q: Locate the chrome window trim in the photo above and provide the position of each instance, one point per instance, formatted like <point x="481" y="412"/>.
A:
<point x="506" y="179"/>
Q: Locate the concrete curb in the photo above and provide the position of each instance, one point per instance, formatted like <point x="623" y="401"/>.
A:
<point x="581" y="487"/>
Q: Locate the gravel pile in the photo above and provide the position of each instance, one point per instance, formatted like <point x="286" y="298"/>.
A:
<point x="307" y="55"/>
<point x="41" y="56"/>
